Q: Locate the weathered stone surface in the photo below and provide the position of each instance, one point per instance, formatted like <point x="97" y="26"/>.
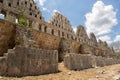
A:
<point x="7" y="34"/>
<point x="82" y="35"/>
<point x="78" y="61"/>
<point x="3" y="65"/>
<point x="46" y="41"/>
<point x="64" y="47"/>
<point x="75" y="47"/>
<point x="24" y="37"/>
<point x="86" y="49"/>
<point x="29" y="61"/>
<point x="93" y="40"/>
<point x="100" y="61"/>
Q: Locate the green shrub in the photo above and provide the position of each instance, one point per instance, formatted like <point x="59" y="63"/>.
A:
<point x="22" y="21"/>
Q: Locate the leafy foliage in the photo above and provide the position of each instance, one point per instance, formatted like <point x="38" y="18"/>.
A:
<point x="22" y="11"/>
<point x="22" y="21"/>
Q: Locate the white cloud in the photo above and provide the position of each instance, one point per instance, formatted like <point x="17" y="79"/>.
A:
<point x="105" y="38"/>
<point x="117" y="38"/>
<point x="42" y="2"/>
<point x="45" y="9"/>
<point x="45" y="6"/>
<point x="41" y="5"/>
<point x="56" y="11"/>
<point x="74" y="29"/>
<point x="101" y="20"/>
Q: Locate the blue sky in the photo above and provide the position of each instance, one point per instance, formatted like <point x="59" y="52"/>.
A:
<point x="99" y="16"/>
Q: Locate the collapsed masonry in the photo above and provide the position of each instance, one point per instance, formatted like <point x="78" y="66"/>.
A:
<point x="55" y="39"/>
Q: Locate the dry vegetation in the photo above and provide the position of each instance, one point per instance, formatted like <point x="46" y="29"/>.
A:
<point x="101" y="73"/>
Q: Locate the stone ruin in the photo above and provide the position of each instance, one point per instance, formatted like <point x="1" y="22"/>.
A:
<point x="15" y="9"/>
<point x="40" y="44"/>
<point x="22" y="61"/>
<point x="84" y="61"/>
<point x="24" y="57"/>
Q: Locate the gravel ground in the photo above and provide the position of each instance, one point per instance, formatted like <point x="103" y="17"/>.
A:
<point x="101" y="73"/>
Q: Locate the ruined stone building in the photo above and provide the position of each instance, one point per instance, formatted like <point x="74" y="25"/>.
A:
<point x="55" y="36"/>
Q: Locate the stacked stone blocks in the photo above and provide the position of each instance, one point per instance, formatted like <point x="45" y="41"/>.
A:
<point x="22" y="61"/>
<point x="78" y="62"/>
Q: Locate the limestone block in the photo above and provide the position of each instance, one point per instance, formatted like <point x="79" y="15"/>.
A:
<point x="14" y="65"/>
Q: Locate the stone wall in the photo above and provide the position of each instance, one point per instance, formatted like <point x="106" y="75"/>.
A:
<point x="101" y="61"/>
<point x="64" y="47"/>
<point x="52" y="42"/>
<point x="77" y="61"/>
<point x="46" y="41"/>
<point x="75" y="47"/>
<point x="20" y="35"/>
<point x="7" y="34"/>
<point x="22" y="61"/>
